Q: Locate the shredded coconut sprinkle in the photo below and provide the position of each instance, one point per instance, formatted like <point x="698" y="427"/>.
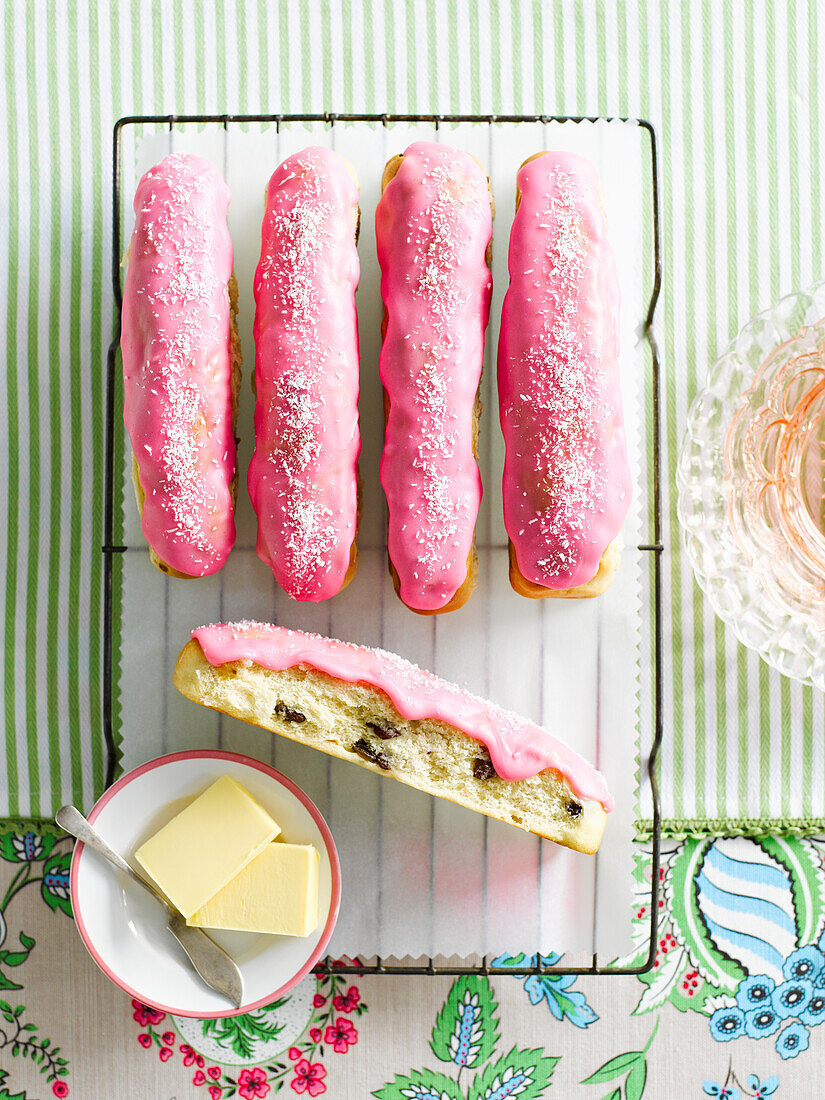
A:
<point x="302" y="476"/>
<point x="180" y="246"/>
<point x="566" y="479"/>
<point x="564" y="378"/>
<point x="440" y="211"/>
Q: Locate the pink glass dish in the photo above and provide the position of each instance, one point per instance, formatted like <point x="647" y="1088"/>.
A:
<point x="750" y="481"/>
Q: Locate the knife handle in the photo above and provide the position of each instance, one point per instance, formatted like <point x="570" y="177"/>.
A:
<point x="73" y="821"/>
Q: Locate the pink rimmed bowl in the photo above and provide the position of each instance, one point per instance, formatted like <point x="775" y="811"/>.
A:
<point x="125" y="931"/>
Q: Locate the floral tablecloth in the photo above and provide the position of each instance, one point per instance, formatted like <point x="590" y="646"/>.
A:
<point x="731" y="1008"/>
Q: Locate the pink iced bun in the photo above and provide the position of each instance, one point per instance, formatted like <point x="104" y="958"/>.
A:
<point x="303" y="477"/>
<point x="378" y="711"/>
<point x="180" y="360"/>
<point x="433" y="227"/>
<point x="566" y="474"/>
<point x="518" y="748"/>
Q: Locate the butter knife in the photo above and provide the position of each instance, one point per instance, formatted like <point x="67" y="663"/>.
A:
<point x="210" y="961"/>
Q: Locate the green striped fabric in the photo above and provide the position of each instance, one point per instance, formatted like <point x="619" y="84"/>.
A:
<point x="733" y="89"/>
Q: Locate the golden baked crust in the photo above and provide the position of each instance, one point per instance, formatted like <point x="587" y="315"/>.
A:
<point x="335" y="715"/>
<point x="608" y="565"/>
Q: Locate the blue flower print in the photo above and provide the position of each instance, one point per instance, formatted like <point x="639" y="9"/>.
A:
<point x="815" y="1012"/>
<point x="561" y="1000"/>
<point x="726" y="1024"/>
<point x="754" y="991"/>
<point x="553" y="988"/>
<point x="792" y="1040"/>
<point x="791" y="998"/>
<point x="724" y="1092"/>
<point x="806" y="962"/>
<point x="761" y="1022"/>
<point x="767" y="1088"/>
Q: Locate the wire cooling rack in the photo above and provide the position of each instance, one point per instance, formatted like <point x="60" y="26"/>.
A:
<point x="112" y="553"/>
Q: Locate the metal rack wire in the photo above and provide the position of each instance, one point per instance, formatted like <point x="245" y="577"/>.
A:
<point x="654" y="548"/>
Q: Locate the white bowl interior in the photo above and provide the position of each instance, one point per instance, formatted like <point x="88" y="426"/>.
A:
<point x="125" y="929"/>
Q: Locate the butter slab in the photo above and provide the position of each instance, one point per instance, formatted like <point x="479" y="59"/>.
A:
<point x="277" y="893"/>
<point x="207" y="844"/>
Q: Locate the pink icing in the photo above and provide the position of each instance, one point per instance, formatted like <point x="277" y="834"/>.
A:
<point x="518" y="748"/>
<point x="303" y="474"/>
<point x="432" y="225"/>
<point x="177" y="365"/>
<point x="566" y="472"/>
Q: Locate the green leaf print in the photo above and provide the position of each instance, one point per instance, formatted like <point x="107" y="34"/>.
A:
<point x="17" y="958"/>
<point x="680" y="892"/>
<point x="242" y="1033"/>
<point x="466" y="1028"/>
<point x="614" y="1068"/>
<point x="21" y="1038"/>
<point x="4" y="1092"/>
<point x="634" y="1086"/>
<point x="55" y="885"/>
<point x="25" y="847"/>
<point x="663" y="981"/>
<point x="522" y="1073"/>
<point x="633" y="1063"/>
<point x="466" y="1035"/>
<point x="422" y="1084"/>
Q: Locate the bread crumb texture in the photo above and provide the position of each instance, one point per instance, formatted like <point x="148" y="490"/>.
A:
<point x="358" y="723"/>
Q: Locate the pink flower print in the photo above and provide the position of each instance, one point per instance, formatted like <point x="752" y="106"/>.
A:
<point x="169" y="1038"/>
<point x="315" y="1034"/>
<point x="145" y="1040"/>
<point x="146" y="1015"/>
<point x="308" y="1078"/>
<point x="60" y="1088"/>
<point x="215" y="1092"/>
<point x="188" y="1054"/>
<point x="319" y="1000"/>
<point x="199" y="1078"/>
<point x="345" y="961"/>
<point x="341" y="1035"/>
<point x="252" y="1083"/>
<point x="165" y="1053"/>
<point x="349" y="1001"/>
<point x="293" y="1053"/>
<point x="214" y="1072"/>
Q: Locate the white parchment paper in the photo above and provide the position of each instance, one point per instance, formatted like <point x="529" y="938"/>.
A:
<point x="420" y="875"/>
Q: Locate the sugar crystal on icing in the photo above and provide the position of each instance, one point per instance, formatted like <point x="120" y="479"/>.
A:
<point x="557" y="369"/>
<point x="302" y="475"/>
<point x="432" y="230"/>
<point x="177" y="366"/>
<point x="518" y="748"/>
